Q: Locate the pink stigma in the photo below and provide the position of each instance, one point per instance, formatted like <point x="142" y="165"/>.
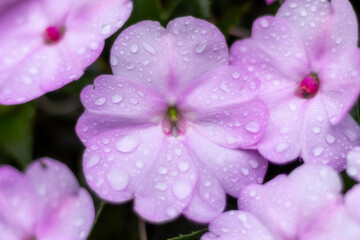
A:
<point x="308" y="87"/>
<point x="53" y="34"/>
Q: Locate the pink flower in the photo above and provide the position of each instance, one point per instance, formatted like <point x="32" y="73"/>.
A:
<point x="308" y="63"/>
<point x="268" y="2"/>
<point x="306" y="205"/>
<point x="44" y="203"/>
<point x="164" y="128"/>
<point x="45" y="44"/>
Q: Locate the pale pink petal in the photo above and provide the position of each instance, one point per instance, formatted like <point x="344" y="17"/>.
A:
<point x="124" y="102"/>
<point x="280" y="40"/>
<point x="209" y="197"/>
<point x="325" y="143"/>
<point x="270" y="1"/>
<point x="353" y="163"/>
<point x="352" y="199"/>
<point x="282" y="139"/>
<point x="312" y="21"/>
<point x="18" y="205"/>
<point x="115" y="161"/>
<point x="166" y="188"/>
<point x="233" y="117"/>
<point x="52" y="181"/>
<point x="233" y="168"/>
<point x="275" y="204"/>
<point x="318" y="186"/>
<point x="72" y="219"/>
<point x="334" y="223"/>
<point x="339" y="84"/>
<point x="168" y="59"/>
<point x="237" y="225"/>
<point x="249" y="57"/>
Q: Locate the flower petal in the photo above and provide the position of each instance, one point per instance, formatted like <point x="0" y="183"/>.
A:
<point x="340" y="85"/>
<point x="233" y="168"/>
<point x="311" y="20"/>
<point x="187" y="49"/>
<point x="115" y="161"/>
<point x="249" y="57"/>
<point x="325" y="143"/>
<point x="282" y="139"/>
<point x="232" y="116"/>
<point x="18" y="205"/>
<point x="237" y="225"/>
<point x="275" y="204"/>
<point x="166" y="189"/>
<point x="72" y="219"/>
<point x="209" y="197"/>
<point x="113" y="102"/>
<point x="352" y="199"/>
<point x="280" y="40"/>
<point x="353" y="163"/>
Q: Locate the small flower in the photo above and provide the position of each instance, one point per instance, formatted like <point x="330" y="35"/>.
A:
<point x="305" y="205"/>
<point x="166" y="127"/>
<point x="308" y="63"/>
<point x="44" y="203"/>
<point x="47" y="44"/>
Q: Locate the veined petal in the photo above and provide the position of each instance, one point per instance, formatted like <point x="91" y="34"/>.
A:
<point x="237" y="225"/>
<point x="115" y="161"/>
<point x="233" y="168"/>
<point x="167" y="187"/>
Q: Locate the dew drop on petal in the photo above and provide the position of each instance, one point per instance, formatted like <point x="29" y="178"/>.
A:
<point x="133" y="48"/>
<point x="100" y="101"/>
<point x="171" y="212"/>
<point x="183" y="166"/>
<point x="244" y="171"/>
<point x="118" y="179"/>
<point x="106" y="29"/>
<point x="149" y="48"/>
<point x="252" y="126"/>
<point x="127" y="143"/>
<point x="93" y="161"/>
<point x="181" y="189"/>
<point x="264" y="23"/>
<point x="201" y="46"/>
<point x="162" y="186"/>
<point x="117" y="97"/>
<point x="330" y="139"/>
<point x="114" y="60"/>
<point x="317" y="151"/>
<point x="281" y="147"/>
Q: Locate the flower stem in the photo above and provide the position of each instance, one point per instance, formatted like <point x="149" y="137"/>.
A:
<point x="142" y="229"/>
<point x="97" y="215"/>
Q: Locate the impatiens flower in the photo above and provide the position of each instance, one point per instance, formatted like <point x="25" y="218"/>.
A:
<point x="166" y="128"/>
<point x="308" y="63"/>
<point x="45" y="203"/>
<point x="45" y="44"/>
<point x="306" y="205"/>
<point x="353" y="163"/>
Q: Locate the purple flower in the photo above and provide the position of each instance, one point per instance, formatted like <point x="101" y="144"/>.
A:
<point x="166" y="127"/>
<point x="268" y="2"/>
<point x="45" y="44"/>
<point x="308" y="63"/>
<point x="353" y="163"/>
<point x="306" y="205"/>
<point x="44" y="203"/>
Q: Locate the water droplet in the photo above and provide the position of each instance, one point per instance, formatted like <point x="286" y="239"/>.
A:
<point x="162" y="170"/>
<point x="79" y="222"/>
<point x="139" y="164"/>
<point x="93" y="161"/>
<point x="183" y="166"/>
<point x="134" y="101"/>
<point x="149" y="48"/>
<point x="285" y="130"/>
<point x="94" y="45"/>
<point x="225" y="230"/>
<point x="146" y="62"/>
<point x="100" y="101"/>
<point x="264" y="23"/>
<point x="117" y="97"/>
<point x="33" y="71"/>
<point x="82" y="50"/>
<point x="171" y="212"/>
<point x="118" y="179"/>
<point x="338" y="40"/>
<point x="244" y="171"/>
<point x="106" y="29"/>
<point x="252" y="126"/>
<point x="281" y="147"/>
<point x="224" y="87"/>
<point x="177" y="151"/>
<point x="236" y="75"/>
<point x="114" y="60"/>
<point x="162" y="186"/>
<point x="133" y="48"/>
<point x="330" y="139"/>
<point x="288" y="204"/>
<point x="27" y="80"/>
<point x="315" y="129"/>
<point x="207" y="183"/>
<point x="181" y="189"/>
<point x="201" y="46"/>
<point x="253" y="163"/>
<point x="352" y="171"/>
<point x="127" y="143"/>
<point x="303" y="13"/>
<point x="293" y="5"/>
<point x="317" y="151"/>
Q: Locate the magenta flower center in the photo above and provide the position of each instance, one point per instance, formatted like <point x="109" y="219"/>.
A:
<point x="53" y="34"/>
<point x="173" y="123"/>
<point x="308" y="87"/>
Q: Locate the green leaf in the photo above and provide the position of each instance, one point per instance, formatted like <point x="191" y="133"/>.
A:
<point x="16" y="134"/>
<point x="192" y="236"/>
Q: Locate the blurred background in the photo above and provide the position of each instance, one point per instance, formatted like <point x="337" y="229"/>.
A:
<point x="45" y="126"/>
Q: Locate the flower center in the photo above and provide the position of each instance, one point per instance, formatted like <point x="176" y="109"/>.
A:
<point x="173" y="123"/>
<point x="309" y="86"/>
<point x="53" y="34"/>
